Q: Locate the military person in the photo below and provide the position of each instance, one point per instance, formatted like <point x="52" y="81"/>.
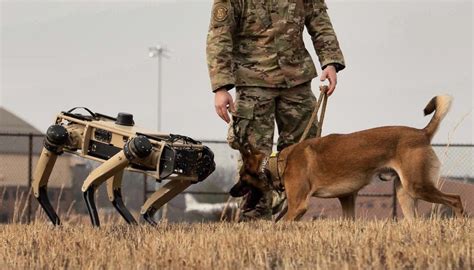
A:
<point x="257" y="47"/>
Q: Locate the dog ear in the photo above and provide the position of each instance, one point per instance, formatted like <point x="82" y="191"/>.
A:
<point x="254" y="151"/>
<point x="245" y="150"/>
<point x="251" y="157"/>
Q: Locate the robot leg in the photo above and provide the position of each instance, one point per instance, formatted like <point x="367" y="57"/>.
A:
<point x="114" y="191"/>
<point x="136" y="148"/>
<point x="162" y="196"/>
<point x="56" y="137"/>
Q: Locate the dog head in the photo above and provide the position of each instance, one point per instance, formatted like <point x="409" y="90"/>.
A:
<point x="252" y="172"/>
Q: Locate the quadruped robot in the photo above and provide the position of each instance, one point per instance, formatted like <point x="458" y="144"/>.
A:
<point x="119" y="145"/>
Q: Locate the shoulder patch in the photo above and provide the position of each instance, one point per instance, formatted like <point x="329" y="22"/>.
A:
<point x="220" y="12"/>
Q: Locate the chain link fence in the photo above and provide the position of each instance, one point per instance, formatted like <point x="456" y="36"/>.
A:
<point x="19" y="154"/>
<point x="207" y="200"/>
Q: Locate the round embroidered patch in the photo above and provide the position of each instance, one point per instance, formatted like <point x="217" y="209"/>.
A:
<point x="220" y="13"/>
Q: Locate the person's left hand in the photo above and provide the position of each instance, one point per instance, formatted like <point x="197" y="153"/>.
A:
<point x="330" y="73"/>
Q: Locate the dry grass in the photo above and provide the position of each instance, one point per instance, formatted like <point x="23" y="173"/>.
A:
<point x="323" y="244"/>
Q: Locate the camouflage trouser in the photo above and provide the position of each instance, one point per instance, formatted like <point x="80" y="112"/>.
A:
<point x="257" y="110"/>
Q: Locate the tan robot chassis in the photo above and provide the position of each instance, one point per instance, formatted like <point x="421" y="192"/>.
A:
<point x="119" y="145"/>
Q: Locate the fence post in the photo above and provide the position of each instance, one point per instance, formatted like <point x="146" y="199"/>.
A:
<point x="394" y="198"/>
<point x="30" y="175"/>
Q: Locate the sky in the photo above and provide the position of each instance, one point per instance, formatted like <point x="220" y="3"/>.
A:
<point x="56" y="55"/>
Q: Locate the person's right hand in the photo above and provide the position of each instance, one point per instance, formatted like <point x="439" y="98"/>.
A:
<point x="222" y="102"/>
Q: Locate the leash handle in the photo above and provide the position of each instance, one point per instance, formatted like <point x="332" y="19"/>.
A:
<point x="322" y="99"/>
<point x="323" y="112"/>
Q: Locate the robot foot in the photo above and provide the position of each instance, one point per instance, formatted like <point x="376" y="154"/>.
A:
<point x="148" y="217"/>
<point x="120" y="206"/>
<point x="47" y="207"/>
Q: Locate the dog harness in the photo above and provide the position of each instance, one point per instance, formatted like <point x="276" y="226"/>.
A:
<point x="270" y="171"/>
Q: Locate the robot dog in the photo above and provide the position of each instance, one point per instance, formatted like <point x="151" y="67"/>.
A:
<point x="119" y="145"/>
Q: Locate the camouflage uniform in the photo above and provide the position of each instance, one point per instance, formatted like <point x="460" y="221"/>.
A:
<point x="257" y="46"/>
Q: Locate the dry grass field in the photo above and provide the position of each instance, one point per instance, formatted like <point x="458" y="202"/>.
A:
<point x="320" y="244"/>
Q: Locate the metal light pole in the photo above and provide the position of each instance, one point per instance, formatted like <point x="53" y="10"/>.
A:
<point x="159" y="52"/>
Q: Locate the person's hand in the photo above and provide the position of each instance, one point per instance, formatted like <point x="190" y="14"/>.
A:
<point x="330" y="73"/>
<point x="222" y="102"/>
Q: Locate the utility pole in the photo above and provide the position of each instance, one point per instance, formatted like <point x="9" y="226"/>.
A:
<point x="158" y="52"/>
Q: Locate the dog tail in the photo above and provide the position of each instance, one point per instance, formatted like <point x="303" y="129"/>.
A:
<point x="441" y="105"/>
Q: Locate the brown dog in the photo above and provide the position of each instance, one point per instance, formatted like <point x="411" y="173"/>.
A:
<point x="338" y="166"/>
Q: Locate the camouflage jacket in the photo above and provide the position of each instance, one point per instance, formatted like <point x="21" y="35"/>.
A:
<point x="260" y="42"/>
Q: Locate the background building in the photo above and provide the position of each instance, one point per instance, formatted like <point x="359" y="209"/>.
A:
<point x="20" y="147"/>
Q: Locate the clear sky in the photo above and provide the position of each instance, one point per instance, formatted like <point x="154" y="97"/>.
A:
<point x="60" y="54"/>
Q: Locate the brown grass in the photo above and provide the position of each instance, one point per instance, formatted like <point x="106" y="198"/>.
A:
<point x="322" y="244"/>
